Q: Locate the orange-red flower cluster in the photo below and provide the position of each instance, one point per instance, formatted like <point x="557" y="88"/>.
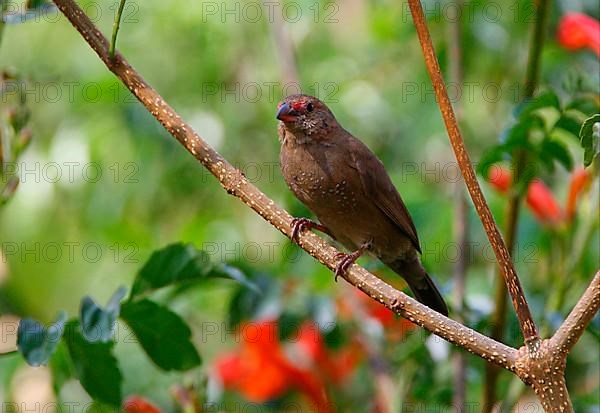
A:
<point x="540" y="199"/>
<point x="579" y="31"/>
<point x="260" y="369"/>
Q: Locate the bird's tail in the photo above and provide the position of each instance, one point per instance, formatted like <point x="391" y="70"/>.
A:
<point x="420" y="284"/>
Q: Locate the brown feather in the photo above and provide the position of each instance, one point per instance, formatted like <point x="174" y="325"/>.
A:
<point x="378" y="186"/>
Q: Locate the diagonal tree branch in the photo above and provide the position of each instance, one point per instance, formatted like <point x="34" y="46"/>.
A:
<point x="573" y="327"/>
<point x="507" y="268"/>
<point x="235" y="183"/>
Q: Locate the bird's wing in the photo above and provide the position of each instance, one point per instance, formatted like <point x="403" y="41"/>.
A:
<point x="378" y="186"/>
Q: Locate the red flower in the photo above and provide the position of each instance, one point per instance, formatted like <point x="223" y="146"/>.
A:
<point x="137" y="404"/>
<point x="543" y="204"/>
<point x="577" y="31"/>
<point x="500" y="178"/>
<point x="540" y="199"/>
<point x="260" y="370"/>
<point x="335" y="366"/>
<point x="395" y="327"/>
<point x="580" y="182"/>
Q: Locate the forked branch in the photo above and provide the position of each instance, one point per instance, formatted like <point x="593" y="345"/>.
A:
<point x="507" y="268"/>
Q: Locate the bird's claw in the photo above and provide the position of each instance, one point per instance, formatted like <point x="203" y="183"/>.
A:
<point x="345" y="261"/>
<point x="299" y="225"/>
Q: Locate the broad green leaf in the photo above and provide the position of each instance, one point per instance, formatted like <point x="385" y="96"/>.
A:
<point x="547" y="99"/>
<point x="246" y="303"/>
<point x="585" y="105"/>
<point x="518" y="136"/>
<point x="288" y="324"/>
<point x="36" y="342"/>
<point x="177" y="263"/>
<point x="98" y="324"/>
<point x="60" y="366"/>
<point x="95" y="366"/>
<point x="570" y="123"/>
<point x="162" y="334"/>
<point x="551" y="150"/>
<point x="589" y="136"/>
<point x="172" y="264"/>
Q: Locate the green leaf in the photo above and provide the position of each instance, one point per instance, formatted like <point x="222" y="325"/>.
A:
<point x="569" y="124"/>
<point x="233" y="273"/>
<point x="585" y="105"/>
<point x="162" y="334"/>
<point x="489" y="158"/>
<point x="589" y="136"/>
<point x="34" y="4"/>
<point x="553" y="150"/>
<point x="95" y="366"/>
<point x="61" y="367"/>
<point x="246" y="303"/>
<point x="547" y="99"/>
<point x="518" y="136"/>
<point x="289" y="323"/>
<point x="98" y="324"/>
<point x="172" y="264"/>
<point x="37" y="343"/>
<point x="177" y="263"/>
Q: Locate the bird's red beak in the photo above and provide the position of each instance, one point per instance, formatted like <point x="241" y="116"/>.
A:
<point x="286" y="113"/>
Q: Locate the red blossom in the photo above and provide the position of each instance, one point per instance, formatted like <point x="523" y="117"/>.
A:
<point x="137" y="404"/>
<point x="578" y="31"/>
<point x="260" y="370"/>
<point x="540" y="199"/>
<point x="395" y="327"/>
<point x="500" y="178"/>
<point x="580" y="183"/>
<point x="333" y="365"/>
<point x="542" y="203"/>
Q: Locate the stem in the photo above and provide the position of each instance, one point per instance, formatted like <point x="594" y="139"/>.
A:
<point x="461" y="213"/>
<point x="116" y="26"/>
<point x="514" y="203"/>
<point x="235" y="183"/>
<point x="585" y="309"/>
<point x="507" y="268"/>
<point x="535" y="47"/>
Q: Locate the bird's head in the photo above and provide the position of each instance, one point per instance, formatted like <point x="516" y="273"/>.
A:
<point x="306" y="115"/>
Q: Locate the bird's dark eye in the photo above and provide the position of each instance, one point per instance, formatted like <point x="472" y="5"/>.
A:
<point x="310" y="107"/>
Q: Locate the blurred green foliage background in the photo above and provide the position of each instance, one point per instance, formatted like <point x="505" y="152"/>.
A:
<point x="126" y="188"/>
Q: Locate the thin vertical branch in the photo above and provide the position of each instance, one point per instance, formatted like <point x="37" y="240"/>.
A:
<point x="514" y="202"/>
<point x="116" y="26"/>
<point x="461" y="209"/>
<point x="536" y="46"/>
<point x="507" y="268"/>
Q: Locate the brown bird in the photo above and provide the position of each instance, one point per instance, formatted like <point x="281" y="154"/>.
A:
<point x="347" y="187"/>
